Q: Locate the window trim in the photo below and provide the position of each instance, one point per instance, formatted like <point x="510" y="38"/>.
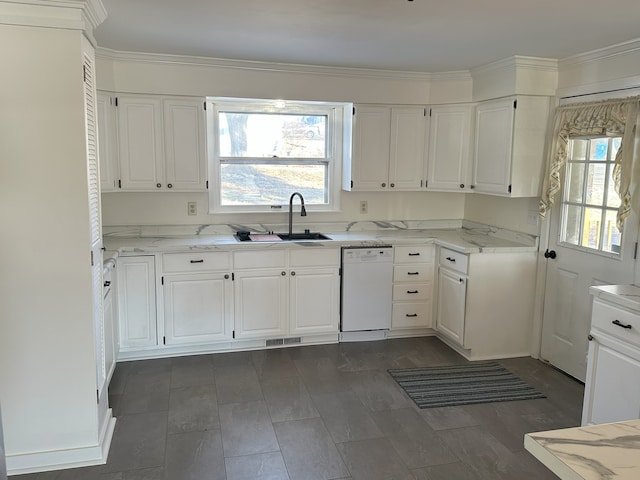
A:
<point x="338" y="147"/>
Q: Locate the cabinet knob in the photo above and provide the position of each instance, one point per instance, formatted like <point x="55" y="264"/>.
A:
<point x="283" y="273"/>
<point x="462" y="185"/>
<point x="461" y="280"/>
<point x="226" y="276"/>
<point x="472" y="187"/>
<point x="158" y="185"/>
<point x="107" y="283"/>
<point x="293" y="274"/>
<point x="550" y="254"/>
<point x="384" y="184"/>
<point x="392" y="185"/>
<point x="590" y="337"/>
<point x="169" y="185"/>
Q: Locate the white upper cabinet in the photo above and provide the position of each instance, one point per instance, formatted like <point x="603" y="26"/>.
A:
<point x="509" y="145"/>
<point x="449" y="158"/>
<point x="161" y="144"/>
<point x="388" y="148"/>
<point x="107" y="142"/>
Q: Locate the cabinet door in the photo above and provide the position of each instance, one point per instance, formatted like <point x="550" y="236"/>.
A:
<point x="107" y="142"/>
<point x="452" y="289"/>
<point x="137" y="302"/>
<point x="140" y="140"/>
<point x="110" y="352"/>
<point x="493" y="146"/>
<point x="184" y="141"/>
<point x="407" y="158"/>
<point x="261" y="303"/>
<point x="449" y="159"/>
<point x="612" y="389"/>
<point x="370" y="163"/>
<point x="314" y="301"/>
<point x="197" y="308"/>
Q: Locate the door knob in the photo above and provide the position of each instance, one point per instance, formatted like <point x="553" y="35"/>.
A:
<point x="550" y="254"/>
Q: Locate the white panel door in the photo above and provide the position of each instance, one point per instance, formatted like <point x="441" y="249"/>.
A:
<point x="407" y="155"/>
<point x="314" y="300"/>
<point x="452" y="289"/>
<point x="197" y="308"/>
<point x="184" y="134"/>
<point x="370" y="167"/>
<point x="107" y="142"/>
<point x="261" y="300"/>
<point x="136" y="302"/>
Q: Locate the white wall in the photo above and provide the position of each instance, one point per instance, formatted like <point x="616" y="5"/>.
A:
<point x="47" y="367"/>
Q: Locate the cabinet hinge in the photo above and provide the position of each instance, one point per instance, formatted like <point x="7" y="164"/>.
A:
<point x="509" y="188"/>
<point x="354" y="110"/>
<point x="351" y="183"/>
<point x="233" y="334"/>
<point x="164" y="340"/>
<point x="119" y="183"/>
<point x="97" y="396"/>
<point x="84" y="73"/>
<point x="92" y="258"/>
<point x="430" y="110"/>
<point x="515" y="104"/>
<point x="635" y="251"/>
<point x="162" y="280"/>
<point x="425" y="112"/>
<point x="233" y="276"/>
<point x="205" y="106"/>
<point x="421" y="182"/>
<point x="426" y="183"/>
<point x="340" y="271"/>
<point x="207" y="184"/>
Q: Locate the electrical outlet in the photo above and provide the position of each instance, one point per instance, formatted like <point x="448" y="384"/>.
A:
<point x="192" y="208"/>
<point x="364" y="206"/>
<point x="532" y="218"/>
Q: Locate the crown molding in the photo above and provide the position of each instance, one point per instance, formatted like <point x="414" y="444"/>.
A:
<point x="156" y="58"/>
<point x="84" y="15"/>
<point x="600" y="54"/>
<point x="518" y="62"/>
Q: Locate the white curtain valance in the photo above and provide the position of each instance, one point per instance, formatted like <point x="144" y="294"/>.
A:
<point x="612" y="118"/>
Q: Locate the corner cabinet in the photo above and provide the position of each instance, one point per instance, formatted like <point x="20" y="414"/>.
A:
<point x="509" y="145"/>
<point x="612" y="388"/>
<point x="388" y="148"/>
<point x="449" y="151"/>
<point x="161" y="143"/>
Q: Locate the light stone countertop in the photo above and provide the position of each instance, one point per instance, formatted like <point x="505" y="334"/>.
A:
<point x="623" y="295"/>
<point x="467" y="238"/>
<point x="596" y="452"/>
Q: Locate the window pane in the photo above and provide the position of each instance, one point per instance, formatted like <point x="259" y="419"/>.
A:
<point x="257" y="184"/>
<point x="573" y="222"/>
<point x="598" y="151"/>
<point x="578" y="149"/>
<point x="613" y="199"/>
<point x="612" y="236"/>
<point x="260" y="135"/>
<point x="615" y="146"/>
<point x="595" y="184"/>
<point x="575" y="182"/>
<point x="591" y="230"/>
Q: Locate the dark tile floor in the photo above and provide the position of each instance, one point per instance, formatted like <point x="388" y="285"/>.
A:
<point x="318" y="412"/>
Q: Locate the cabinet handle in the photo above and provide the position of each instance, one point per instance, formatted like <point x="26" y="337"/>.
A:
<point x="590" y="337"/>
<point x="293" y="274"/>
<point x="392" y="185"/>
<point x="197" y="261"/>
<point x="107" y="283"/>
<point x="413" y="273"/>
<point x="462" y="185"/>
<point x="169" y="185"/>
<point x="412" y="291"/>
<point x="472" y="187"/>
<point x="618" y="323"/>
<point x="384" y="184"/>
<point x="411" y="315"/>
<point x="451" y="259"/>
<point x="283" y="273"/>
<point x="158" y="185"/>
<point x="414" y="254"/>
<point x="226" y="276"/>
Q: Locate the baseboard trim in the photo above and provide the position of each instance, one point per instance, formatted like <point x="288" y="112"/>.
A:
<point x="68" y="458"/>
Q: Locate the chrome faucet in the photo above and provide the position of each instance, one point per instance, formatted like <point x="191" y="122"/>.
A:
<point x="303" y="211"/>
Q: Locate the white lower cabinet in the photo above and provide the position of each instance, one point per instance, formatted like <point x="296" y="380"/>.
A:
<point x="137" y="302"/>
<point x="612" y="388"/>
<point x="452" y="293"/>
<point x="313" y="301"/>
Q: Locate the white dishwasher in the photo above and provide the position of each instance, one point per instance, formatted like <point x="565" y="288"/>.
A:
<point x="367" y="286"/>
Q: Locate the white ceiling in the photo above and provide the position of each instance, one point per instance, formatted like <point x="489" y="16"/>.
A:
<point x="420" y="35"/>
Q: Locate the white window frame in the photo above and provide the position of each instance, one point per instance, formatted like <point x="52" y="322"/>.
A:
<point x="338" y="146"/>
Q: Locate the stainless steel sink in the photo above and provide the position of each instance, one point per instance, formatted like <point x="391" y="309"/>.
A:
<point x="303" y="236"/>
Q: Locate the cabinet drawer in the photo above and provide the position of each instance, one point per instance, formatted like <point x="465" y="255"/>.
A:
<point x="315" y="257"/>
<point x="195" y="262"/>
<point x="419" y="272"/>
<point x="454" y="260"/>
<point x="615" y="321"/>
<point x="408" y="315"/>
<point x="415" y="254"/>
<point x="260" y="259"/>
<point x="412" y="291"/>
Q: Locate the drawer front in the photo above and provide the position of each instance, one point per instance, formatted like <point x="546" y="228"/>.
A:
<point x="412" y="291"/>
<point x="420" y="272"/>
<point x="260" y="259"/>
<point x="417" y="254"/>
<point x="411" y="315"/>
<point x="454" y="260"/>
<point x="195" y="262"/>
<point x="315" y="257"/>
<point x="615" y="321"/>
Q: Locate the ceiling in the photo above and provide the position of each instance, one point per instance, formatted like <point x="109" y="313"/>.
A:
<point x="419" y="35"/>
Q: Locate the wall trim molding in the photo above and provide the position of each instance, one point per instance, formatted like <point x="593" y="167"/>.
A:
<point x="600" y="54"/>
<point x="518" y="62"/>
